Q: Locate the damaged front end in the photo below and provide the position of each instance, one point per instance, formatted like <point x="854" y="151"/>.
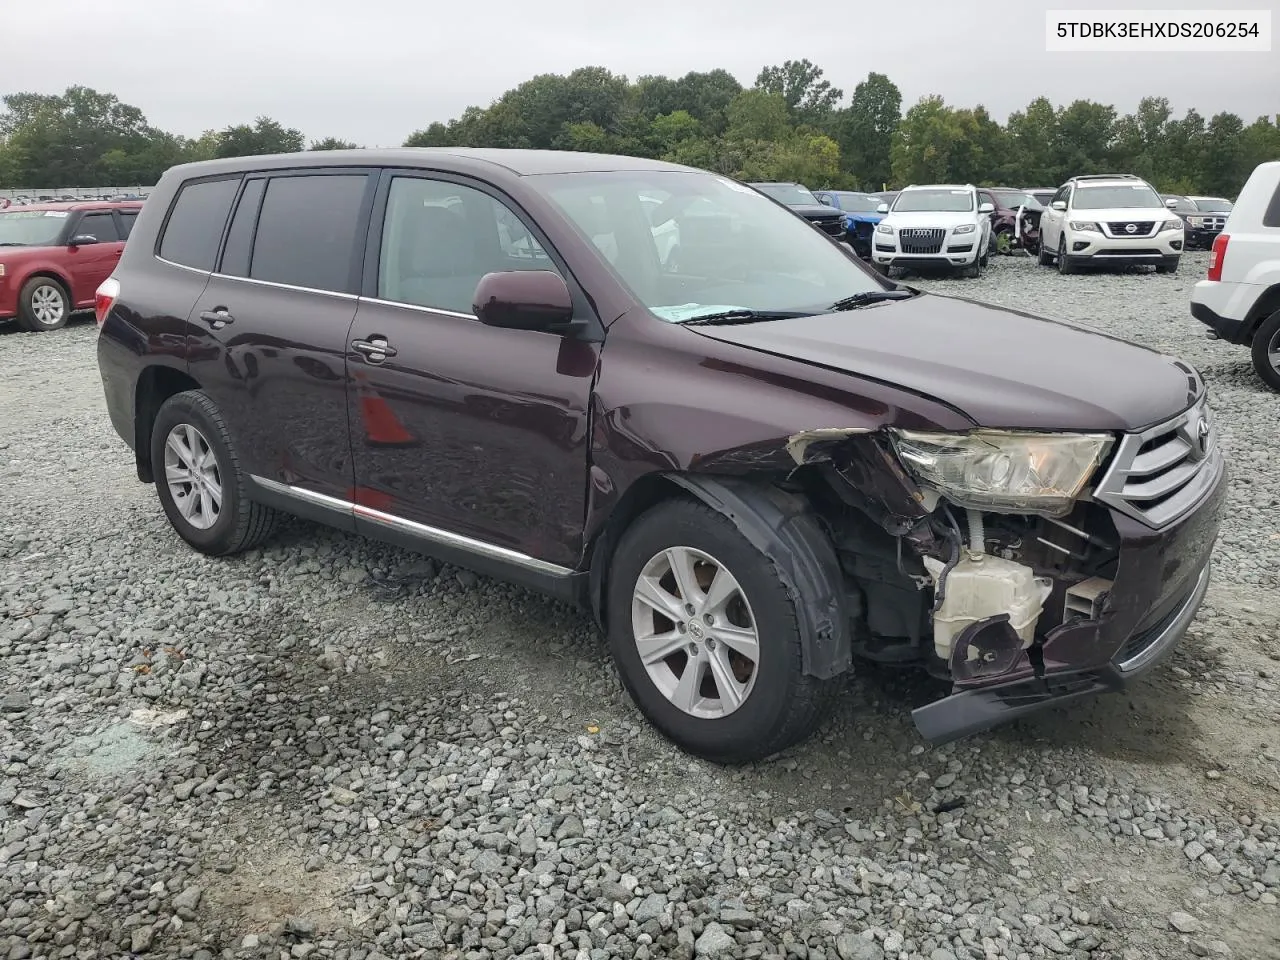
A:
<point x="985" y="559"/>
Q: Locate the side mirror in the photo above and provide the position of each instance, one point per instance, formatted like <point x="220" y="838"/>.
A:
<point x="1171" y="204"/>
<point x="883" y="208"/>
<point x="82" y="240"/>
<point x="523" y="300"/>
<point x="1059" y="205"/>
<point x="986" y="208"/>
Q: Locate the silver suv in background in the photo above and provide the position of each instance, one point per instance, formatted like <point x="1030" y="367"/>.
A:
<point x="939" y="226"/>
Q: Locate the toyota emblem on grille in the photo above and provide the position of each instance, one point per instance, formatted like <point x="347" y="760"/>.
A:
<point x="1131" y="228"/>
<point x="1202" y="436"/>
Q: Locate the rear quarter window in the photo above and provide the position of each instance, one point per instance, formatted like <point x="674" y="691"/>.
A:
<point x="194" y="228"/>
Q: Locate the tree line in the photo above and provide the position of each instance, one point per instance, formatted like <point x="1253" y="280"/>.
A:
<point x="791" y="124"/>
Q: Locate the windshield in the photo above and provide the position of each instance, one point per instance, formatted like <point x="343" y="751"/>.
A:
<point x="1129" y="196"/>
<point x="1213" y="205"/>
<point x="31" y="228"/>
<point x="710" y="245"/>
<point x="1013" y="199"/>
<point x="951" y="201"/>
<point x="1181" y="204"/>
<point x="858" y="202"/>
<point x="791" y="194"/>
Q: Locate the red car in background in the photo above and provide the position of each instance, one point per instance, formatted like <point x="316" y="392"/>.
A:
<point x="53" y="256"/>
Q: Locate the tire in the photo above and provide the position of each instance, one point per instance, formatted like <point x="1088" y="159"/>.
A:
<point x="43" y="305"/>
<point x="1266" y="351"/>
<point x="217" y="526"/>
<point x="1043" y="256"/>
<point x="781" y="706"/>
<point x="1003" y="242"/>
<point x="1065" y="266"/>
<point x="1170" y="265"/>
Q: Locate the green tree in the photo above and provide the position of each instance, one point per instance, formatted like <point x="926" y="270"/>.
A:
<point x="263" y="136"/>
<point x="60" y="140"/>
<point x="1031" y="135"/>
<point x="757" y="115"/>
<point x="334" y="143"/>
<point x="1083" y="139"/>
<point x="926" y="139"/>
<point x="808" y="97"/>
<point x="865" y="130"/>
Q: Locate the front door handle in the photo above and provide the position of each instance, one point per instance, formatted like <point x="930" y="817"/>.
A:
<point x="218" y="318"/>
<point x="375" y="349"/>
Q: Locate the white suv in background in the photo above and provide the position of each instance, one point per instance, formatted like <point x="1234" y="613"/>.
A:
<point x="1110" y="219"/>
<point x="936" y="226"/>
<point x="1239" y="301"/>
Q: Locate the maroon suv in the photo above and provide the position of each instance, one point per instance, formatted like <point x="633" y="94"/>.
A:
<point x="53" y="256"/>
<point x="755" y="461"/>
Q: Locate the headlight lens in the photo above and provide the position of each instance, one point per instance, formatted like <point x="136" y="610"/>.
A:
<point x="1040" y="473"/>
<point x="1196" y="221"/>
<point x="883" y="228"/>
<point x="1085" y="225"/>
<point x="1171" y="225"/>
<point x="964" y="228"/>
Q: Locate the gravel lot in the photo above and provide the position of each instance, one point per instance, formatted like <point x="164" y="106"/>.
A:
<point x="331" y="748"/>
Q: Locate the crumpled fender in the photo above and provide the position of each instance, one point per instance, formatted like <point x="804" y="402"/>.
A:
<point x="784" y="528"/>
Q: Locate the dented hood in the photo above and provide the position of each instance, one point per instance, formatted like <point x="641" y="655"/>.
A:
<point x="1000" y="367"/>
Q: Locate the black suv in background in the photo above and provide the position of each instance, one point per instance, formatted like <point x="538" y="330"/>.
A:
<point x="483" y="355"/>
<point x="799" y="198"/>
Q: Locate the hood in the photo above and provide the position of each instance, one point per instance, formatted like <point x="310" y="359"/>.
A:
<point x="816" y="211"/>
<point x="859" y="217"/>
<point x="933" y="218"/>
<point x="1125" y="214"/>
<point x="1002" y="368"/>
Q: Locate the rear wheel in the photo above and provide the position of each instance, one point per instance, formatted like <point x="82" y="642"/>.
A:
<point x="199" y="480"/>
<point x="43" y="304"/>
<point x="1266" y="351"/>
<point x="705" y="637"/>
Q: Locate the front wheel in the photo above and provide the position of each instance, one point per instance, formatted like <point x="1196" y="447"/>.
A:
<point x="705" y="637"/>
<point x="43" y="304"/>
<point x="1064" y="262"/>
<point x="199" y="480"/>
<point x="1266" y="351"/>
<point x="1004" y="242"/>
<point x="1044" y="256"/>
<point x="1170" y="265"/>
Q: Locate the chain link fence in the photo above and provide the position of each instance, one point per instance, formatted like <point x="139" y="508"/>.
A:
<point x="57" y="193"/>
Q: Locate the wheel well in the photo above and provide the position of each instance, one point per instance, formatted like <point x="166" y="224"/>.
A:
<point x="48" y="275"/>
<point x="1265" y="305"/>
<point x="646" y="492"/>
<point x="155" y="386"/>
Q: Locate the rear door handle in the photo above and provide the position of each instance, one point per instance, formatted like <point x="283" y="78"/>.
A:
<point x="217" y="318"/>
<point x="375" y="349"/>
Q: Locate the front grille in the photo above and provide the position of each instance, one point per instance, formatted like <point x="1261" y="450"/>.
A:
<point x="921" y="240"/>
<point x="831" y="226"/>
<point x="1141" y="228"/>
<point x="1130" y="252"/>
<point x="1159" y="475"/>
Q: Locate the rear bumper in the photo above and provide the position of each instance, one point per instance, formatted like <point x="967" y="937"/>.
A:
<point x="973" y="711"/>
<point x="1224" y="306"/>
<point x="1225" y="327"/>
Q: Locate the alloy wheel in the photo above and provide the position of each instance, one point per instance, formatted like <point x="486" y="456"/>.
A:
<point x="695" y="632"/>
<point x="192" y="475"/>
<point x="48" y="305"/>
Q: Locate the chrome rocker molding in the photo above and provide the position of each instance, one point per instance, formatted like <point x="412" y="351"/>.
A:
<point x="416" y="531"/>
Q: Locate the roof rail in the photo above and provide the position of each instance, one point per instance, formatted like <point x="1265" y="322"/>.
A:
<point x="1107" y="176"/>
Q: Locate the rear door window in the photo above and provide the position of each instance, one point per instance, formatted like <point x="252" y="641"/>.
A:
<point x="101" y="226"/>
<point x="308" y="231"/>
<point x="194" y="229"/>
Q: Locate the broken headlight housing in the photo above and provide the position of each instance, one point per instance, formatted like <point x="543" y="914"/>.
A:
<point x="1039" y="473"/>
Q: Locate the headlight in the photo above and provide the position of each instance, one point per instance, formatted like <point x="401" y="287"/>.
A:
<point x="1041" y="473"/>
<point x="1088" y="225"/>
<point x="883" y="228"/>
<point x="964" y="228"/>
<point x="1171" y="225"/>
<point x="1196" y="221"/>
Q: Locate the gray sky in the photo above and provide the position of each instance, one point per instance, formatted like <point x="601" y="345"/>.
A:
<point x="376" y="70"/>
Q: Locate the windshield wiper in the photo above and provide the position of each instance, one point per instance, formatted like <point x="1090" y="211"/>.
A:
<point x="743" y="316"/>
<point x="11" y="243"/>
<point x="870" y="297"/>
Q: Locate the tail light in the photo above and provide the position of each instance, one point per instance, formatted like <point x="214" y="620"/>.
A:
<point x="1217" y="255"/>
<point x="104" y="298"/>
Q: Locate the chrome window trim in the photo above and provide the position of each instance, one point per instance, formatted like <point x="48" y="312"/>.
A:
<point x="419" y="530"/>
<point x="419" y="307"/>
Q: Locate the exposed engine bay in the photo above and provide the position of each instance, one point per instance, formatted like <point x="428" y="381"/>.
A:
<point x="967" y="594"/>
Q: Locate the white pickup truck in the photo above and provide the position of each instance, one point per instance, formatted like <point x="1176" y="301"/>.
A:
<point x="1239" y="300"/>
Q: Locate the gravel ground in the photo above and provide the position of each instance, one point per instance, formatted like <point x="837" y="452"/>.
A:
<point x="331" y="748"/>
